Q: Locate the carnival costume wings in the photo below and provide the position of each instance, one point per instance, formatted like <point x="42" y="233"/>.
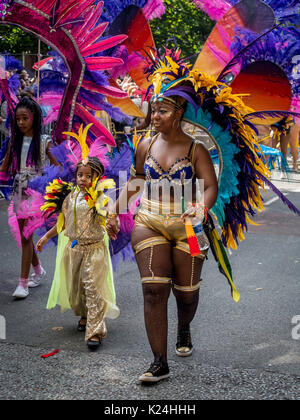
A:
<point x="254" y="47"/>
<point x="212" y="106"/>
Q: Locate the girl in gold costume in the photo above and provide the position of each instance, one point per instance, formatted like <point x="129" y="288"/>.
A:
<point x="83" y="278"/>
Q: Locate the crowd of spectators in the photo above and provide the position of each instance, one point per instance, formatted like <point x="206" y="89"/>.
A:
<point x="23" y="84"/>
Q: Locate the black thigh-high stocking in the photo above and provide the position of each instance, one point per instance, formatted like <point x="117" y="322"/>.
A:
<point x="187" y="274"/>
<point x="156" y="319"/>
<point x="155" y="262"/>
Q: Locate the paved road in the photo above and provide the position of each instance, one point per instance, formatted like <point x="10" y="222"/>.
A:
<point x="242" y="351"/>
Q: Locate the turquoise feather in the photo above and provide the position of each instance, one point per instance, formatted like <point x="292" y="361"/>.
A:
<point x="228" y="180"/>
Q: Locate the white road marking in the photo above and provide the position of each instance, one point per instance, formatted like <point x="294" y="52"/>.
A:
<point x="268" y="203"/>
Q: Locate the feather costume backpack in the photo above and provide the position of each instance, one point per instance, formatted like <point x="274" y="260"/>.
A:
<point x="213" y="107"/>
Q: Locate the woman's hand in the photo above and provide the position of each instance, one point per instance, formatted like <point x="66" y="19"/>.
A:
<point x="196" y="213"/>
<point x="113" y="227"/>
<point x="41" y="243"/>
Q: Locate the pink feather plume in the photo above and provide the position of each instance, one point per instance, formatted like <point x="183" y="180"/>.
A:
<point x="215" y="9"/>
<point x="13" y="224"/>
<point x="154" y="9"/>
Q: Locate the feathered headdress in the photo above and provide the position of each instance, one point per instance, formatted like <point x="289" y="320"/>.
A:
<point x="82" y="153"/>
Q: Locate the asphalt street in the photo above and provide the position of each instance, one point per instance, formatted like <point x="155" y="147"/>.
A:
<point x="249" y="350"/>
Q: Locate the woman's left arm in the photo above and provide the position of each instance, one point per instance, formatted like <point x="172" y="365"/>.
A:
<point x="205" y="171"/>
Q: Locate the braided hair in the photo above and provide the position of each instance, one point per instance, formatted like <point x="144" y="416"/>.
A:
<point x="95" y="164"/>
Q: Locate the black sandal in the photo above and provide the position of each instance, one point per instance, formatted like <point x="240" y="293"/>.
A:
<point x="156" y="372"/>
<point x="93" y="345"/>
<point x="184" y="346"/>
<point x="81" y="327"/>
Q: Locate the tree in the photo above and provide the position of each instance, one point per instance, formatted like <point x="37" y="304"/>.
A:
<point x="184" y="21"/>
<point x="13" y="40"/>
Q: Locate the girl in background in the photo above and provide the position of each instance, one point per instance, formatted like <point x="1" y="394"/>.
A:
<point x="26" y="156"/>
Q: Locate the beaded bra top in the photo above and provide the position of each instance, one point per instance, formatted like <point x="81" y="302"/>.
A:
<point x="182" y="170"/>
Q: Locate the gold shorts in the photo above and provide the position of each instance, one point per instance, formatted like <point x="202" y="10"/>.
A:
<point x="171" y="230"/>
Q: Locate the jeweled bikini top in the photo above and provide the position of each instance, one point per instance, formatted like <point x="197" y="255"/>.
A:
<point x="181" y="170"/>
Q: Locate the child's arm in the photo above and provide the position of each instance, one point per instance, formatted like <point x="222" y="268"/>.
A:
<point x="46" y="238"/>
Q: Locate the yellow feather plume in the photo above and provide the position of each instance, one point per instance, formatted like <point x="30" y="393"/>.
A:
<point x="81" y="138"/>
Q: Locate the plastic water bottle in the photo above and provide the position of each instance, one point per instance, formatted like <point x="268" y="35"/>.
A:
<point x="198" y="229"/>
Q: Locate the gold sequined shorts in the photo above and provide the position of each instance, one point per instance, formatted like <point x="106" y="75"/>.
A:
<point x="170" y="229"/>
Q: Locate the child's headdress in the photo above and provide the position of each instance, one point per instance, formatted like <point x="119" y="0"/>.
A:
<point x="81" y="154"/>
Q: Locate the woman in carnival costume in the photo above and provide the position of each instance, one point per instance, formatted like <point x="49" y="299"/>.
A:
<point x="27" y="154"/>
<point x="164" y="235"/>
<point x="83" y="278"/>
<point x="286" y="133"/>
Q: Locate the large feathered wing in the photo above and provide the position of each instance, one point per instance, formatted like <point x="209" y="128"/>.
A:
<point x="254" y="48"/>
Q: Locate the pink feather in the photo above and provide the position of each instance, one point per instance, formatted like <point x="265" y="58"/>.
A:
<point x="13" y="224"/>
<point x="154" y="9"/>
<point x="126" y="222"/>
<point x="32" y="205"/>
<point x="132" y="61"/>
<point x="90" y="21"/>
<point x="103" y="45"/>
<point x="50" y="99"/>
<point x="51" y="116"/>
<point x="30" y="210"/>
<point x="73" y="10"/>
<point x="44" y="5"/>
<point x="97" y="149"/>
<point x="102" y="63"/>
<point x="75" y="153"/>
<point x="93" y="36"/>
<point x="97" y="128"/>
<point x="215" y="9"/>
<point x="104" y="90"/>
<point x="32" y="225"/>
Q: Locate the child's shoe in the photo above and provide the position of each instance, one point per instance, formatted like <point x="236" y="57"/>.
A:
<point x="21" y="292"/>
<point x="36" y="279"/>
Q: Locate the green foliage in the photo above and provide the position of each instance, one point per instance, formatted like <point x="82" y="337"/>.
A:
<point x="14" y="40"/>
<point x="184" y="21"/>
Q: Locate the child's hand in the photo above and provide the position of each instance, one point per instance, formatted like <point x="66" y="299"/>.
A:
<point x="41" y="243"/>
<point x="113" y="228"/>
